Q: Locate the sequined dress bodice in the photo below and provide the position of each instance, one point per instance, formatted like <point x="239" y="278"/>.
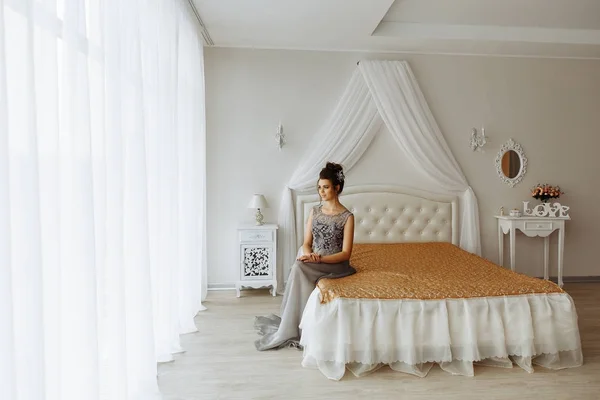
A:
<point x="328" y="231"/>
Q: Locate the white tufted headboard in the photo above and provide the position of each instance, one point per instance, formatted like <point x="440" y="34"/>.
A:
<point x="391" y="214"/>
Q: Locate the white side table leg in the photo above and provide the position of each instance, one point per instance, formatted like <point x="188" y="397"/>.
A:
<point x="561" y="243"/>
<point x="237" y="290"/>
<point x="274" y="289"/>
<point x="500" y="245"/>
<point x="546" y="257"/>
<point x="512" y="248"/>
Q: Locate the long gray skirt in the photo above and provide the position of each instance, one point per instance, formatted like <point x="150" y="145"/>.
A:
<point x="284" y="331"/>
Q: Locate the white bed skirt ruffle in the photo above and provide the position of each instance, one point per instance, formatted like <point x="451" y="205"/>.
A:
<point x="362" y="335"/>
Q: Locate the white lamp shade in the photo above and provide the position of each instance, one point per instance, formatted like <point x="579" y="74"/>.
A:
<point x="258" y="201"/>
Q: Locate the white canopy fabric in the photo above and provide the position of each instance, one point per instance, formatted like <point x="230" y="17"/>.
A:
<point x="383" y="92"/>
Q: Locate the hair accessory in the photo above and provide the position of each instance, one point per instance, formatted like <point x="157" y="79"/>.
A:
<point x="340" y="176"/>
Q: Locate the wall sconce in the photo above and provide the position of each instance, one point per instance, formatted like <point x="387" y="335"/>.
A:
<point x="258" y="201"/>
<point x="279" y="136"/>
<point x="477" y="140"/>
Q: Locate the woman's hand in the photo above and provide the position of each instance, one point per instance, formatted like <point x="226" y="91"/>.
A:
<point x="312" y="258"/>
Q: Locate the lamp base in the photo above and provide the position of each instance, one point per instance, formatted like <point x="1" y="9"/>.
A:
<point x="259" y="217"/>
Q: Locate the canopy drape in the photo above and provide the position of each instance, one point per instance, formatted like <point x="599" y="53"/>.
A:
<point x="382" y="92"/>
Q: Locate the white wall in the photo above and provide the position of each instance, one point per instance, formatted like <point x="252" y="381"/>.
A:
<point x="549" y="106"/>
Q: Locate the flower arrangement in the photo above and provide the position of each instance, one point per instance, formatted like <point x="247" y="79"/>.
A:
<point x="545" y="192"/>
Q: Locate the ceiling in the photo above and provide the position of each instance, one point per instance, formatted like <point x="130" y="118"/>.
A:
<point x="542" y="28"/>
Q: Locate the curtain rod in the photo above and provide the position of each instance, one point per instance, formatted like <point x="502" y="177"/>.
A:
<point x="205" y="35"/>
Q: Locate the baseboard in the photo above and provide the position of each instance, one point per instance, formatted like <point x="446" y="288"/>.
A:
<point x="221" y="286"/>
<point x="566" y="279"/>
<point x="576" y="279"/>
<point x="224" y="286"/>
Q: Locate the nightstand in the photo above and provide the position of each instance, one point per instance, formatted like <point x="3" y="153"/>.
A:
<point x="257" y="257"/>
<point x="531" y="227"/>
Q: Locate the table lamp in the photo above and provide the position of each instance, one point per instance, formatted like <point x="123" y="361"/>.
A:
<point x="258" y="201"/>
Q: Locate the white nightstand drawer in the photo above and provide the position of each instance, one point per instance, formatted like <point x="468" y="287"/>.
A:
<point x="256" y="235"/>
<point x="538" y="225"/>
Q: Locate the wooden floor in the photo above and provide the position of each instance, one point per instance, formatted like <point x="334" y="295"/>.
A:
<point x="220" y="362"/>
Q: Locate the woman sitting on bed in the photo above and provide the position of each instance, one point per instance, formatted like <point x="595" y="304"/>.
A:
<point x="326" y="251"/>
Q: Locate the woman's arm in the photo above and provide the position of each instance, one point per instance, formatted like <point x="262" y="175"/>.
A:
<point x="308" y="237"/>
<point x="346" y="252"/>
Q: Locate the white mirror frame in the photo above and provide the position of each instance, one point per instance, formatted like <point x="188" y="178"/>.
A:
<point x="514" y="146"/>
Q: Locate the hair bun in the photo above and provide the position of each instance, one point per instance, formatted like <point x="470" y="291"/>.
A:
<point x="334" y="167"/>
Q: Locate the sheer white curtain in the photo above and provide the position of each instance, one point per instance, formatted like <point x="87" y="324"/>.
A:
<point x="102" y="176"/>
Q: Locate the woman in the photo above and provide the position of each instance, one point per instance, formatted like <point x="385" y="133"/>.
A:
<point x="327" y="247"/>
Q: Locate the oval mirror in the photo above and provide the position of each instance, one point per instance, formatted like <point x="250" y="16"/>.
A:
<point x="511" y="164"/>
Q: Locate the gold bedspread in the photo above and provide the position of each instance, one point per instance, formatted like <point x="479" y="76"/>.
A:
<point x="427" y="271"/>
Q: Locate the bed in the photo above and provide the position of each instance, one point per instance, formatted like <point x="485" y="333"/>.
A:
<point x="418" y="299"/>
